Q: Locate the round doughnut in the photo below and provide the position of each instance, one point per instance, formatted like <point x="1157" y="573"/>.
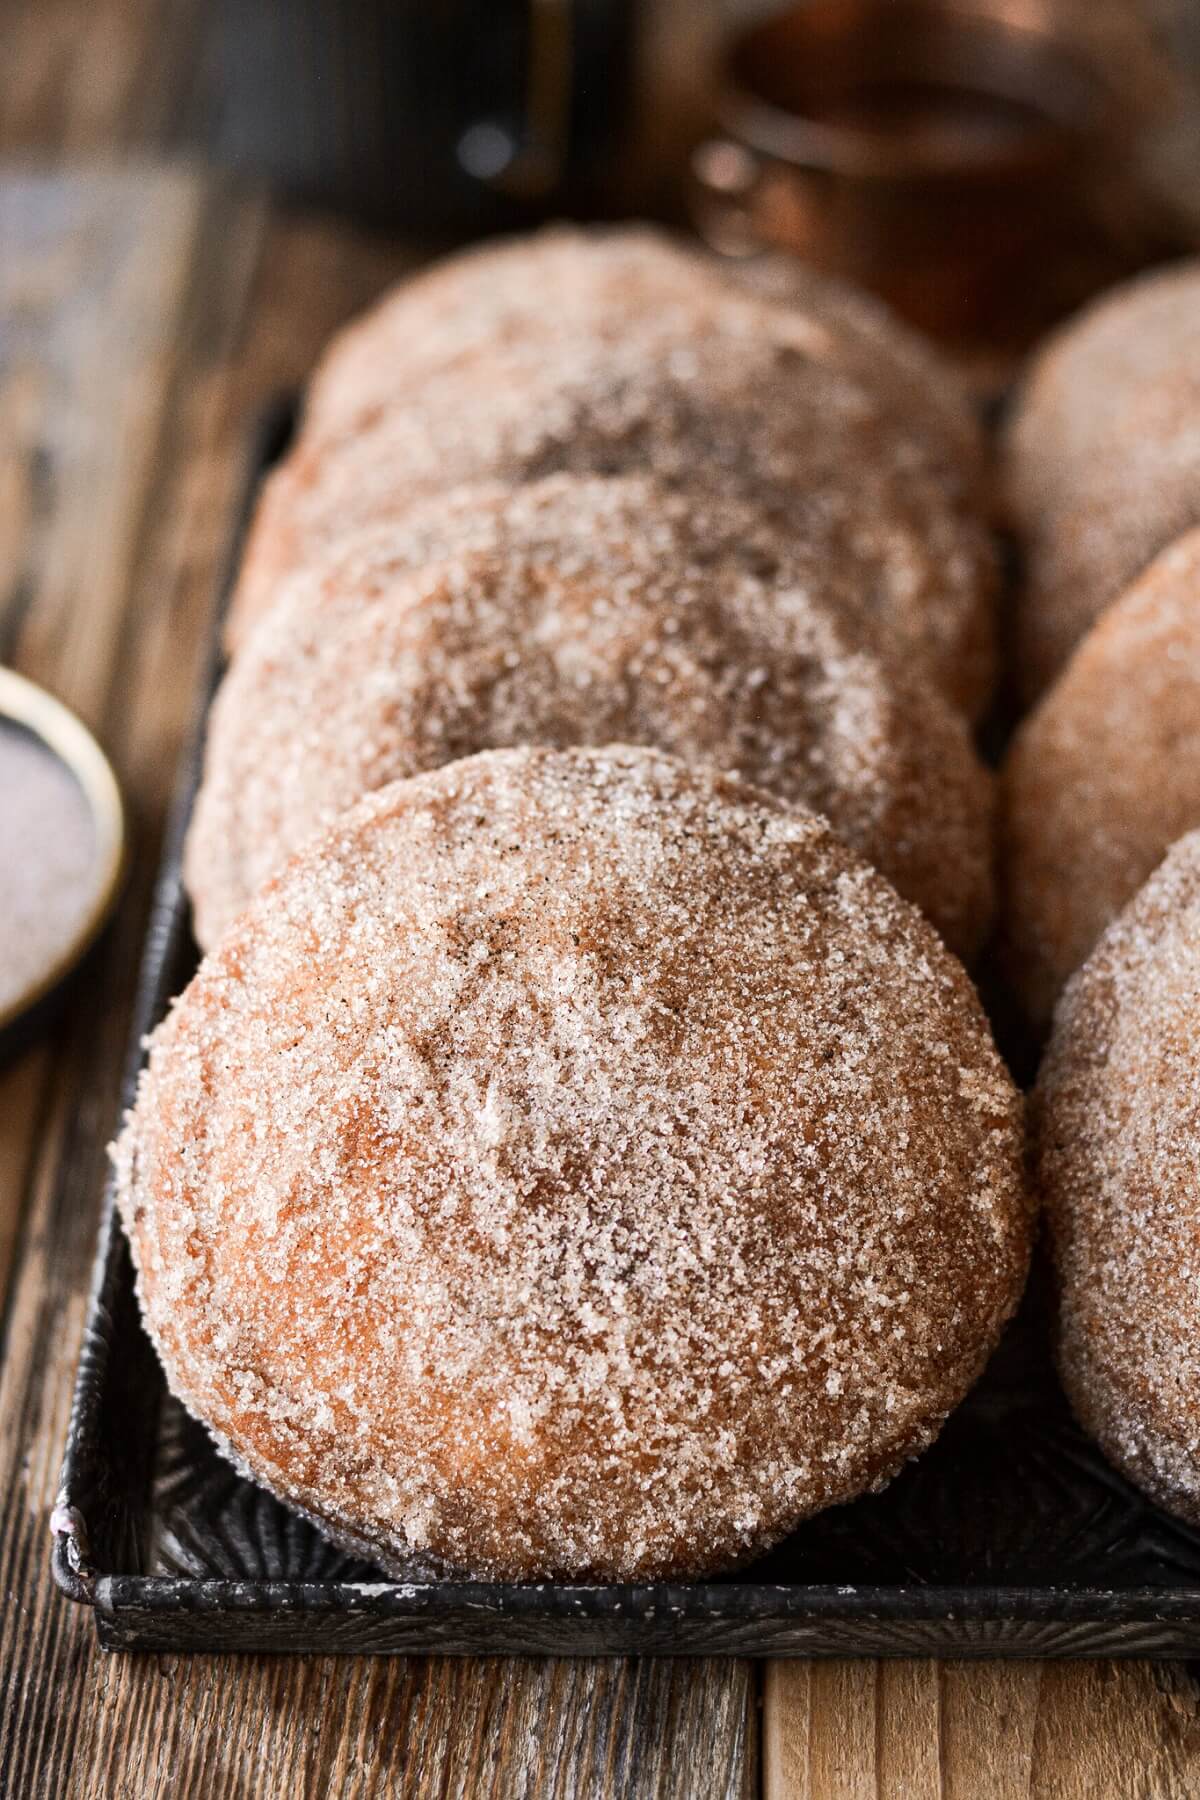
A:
<point x="584" y="611"/>
<point x="1117" y="1133"/>
<point x="1103" y="459"/>
<point x="1102" y="778"/>
<point x="574" y="1165"/>
<point x="753" y="406"/>
<point x="564" y="279"/>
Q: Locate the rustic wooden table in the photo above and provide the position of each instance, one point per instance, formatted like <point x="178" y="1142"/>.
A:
<point x="146" y="314"/>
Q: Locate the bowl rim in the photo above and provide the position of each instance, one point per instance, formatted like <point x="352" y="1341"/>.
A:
<point x="795" y="138"/>
<point x="35" y="711"/>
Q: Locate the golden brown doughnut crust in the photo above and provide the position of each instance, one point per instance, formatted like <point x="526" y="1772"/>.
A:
<point x="737" y="399"/>
<point x="1102" y="778"/>
<point x="587" y="612"/>
<point x="1102" y="459"/>
<point x="1117" y="1133"/>
<point x="575" y="1165"/>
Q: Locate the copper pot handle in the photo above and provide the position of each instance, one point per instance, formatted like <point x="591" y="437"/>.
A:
<point x="728" y="181"/>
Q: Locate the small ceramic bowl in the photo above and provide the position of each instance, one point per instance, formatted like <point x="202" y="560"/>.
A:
<point x="29" y="709"/>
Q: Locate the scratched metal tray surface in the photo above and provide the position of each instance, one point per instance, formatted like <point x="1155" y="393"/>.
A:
<point x="1011" y="1537"/>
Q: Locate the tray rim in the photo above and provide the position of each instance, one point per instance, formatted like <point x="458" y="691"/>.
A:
<point x="114" y="1595"/>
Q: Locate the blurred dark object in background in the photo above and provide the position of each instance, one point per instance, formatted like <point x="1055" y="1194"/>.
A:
<point x="448" y="116"/>
<point x="976" y="164"/>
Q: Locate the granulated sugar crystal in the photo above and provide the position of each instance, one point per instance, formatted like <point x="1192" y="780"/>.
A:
<point x="47" y="863"/>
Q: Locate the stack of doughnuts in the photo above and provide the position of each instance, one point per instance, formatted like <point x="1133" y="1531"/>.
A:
<point x="1099" y="856"/>
<point x="617" y="354"/>
<point x="581" y="1152"/>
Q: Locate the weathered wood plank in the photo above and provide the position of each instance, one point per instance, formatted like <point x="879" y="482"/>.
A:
<point x="21" y="1091"/>
<point x="188" y="1729"/>
<point x="82" y="79"/>
<point x="980" y="1731"/>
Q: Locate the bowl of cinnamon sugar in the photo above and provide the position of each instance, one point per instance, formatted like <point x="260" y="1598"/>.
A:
<point x="62" y="853"/>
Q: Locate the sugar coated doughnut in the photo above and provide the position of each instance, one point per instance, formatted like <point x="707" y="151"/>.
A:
<point x="750" y="401"/>
<point x="1102" y="778"/>
<point x="563" y="279"/>
<point x="574" y="1164"/>
<point x="1103" y="459"/>
<point x="1117" y="1127"/>
<point x="585" y="611"/>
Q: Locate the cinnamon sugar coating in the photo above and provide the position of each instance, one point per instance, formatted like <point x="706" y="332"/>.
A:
<point x="1103" y="459"/>
<point x="726" y="395"/>
<point x="563" y="278"/>
<point x="557" y="281"/>
<point x="586" y="611"/>
<point x="574" y="1165"/>
<point x="1117" y="1133"/>
<point x="1102" y="778"/>
<point x="894" y="360"/>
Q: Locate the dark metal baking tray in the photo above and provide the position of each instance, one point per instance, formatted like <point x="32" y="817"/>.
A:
<point x="1011" y="1537"/>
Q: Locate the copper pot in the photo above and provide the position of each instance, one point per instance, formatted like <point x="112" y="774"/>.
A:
<point x="956" y="161"/>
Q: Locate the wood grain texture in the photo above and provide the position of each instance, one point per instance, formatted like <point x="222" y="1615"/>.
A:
<point x="82" y="79"/>
<point x="427" y="1728"/>
<point x="980" y="1731"/>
